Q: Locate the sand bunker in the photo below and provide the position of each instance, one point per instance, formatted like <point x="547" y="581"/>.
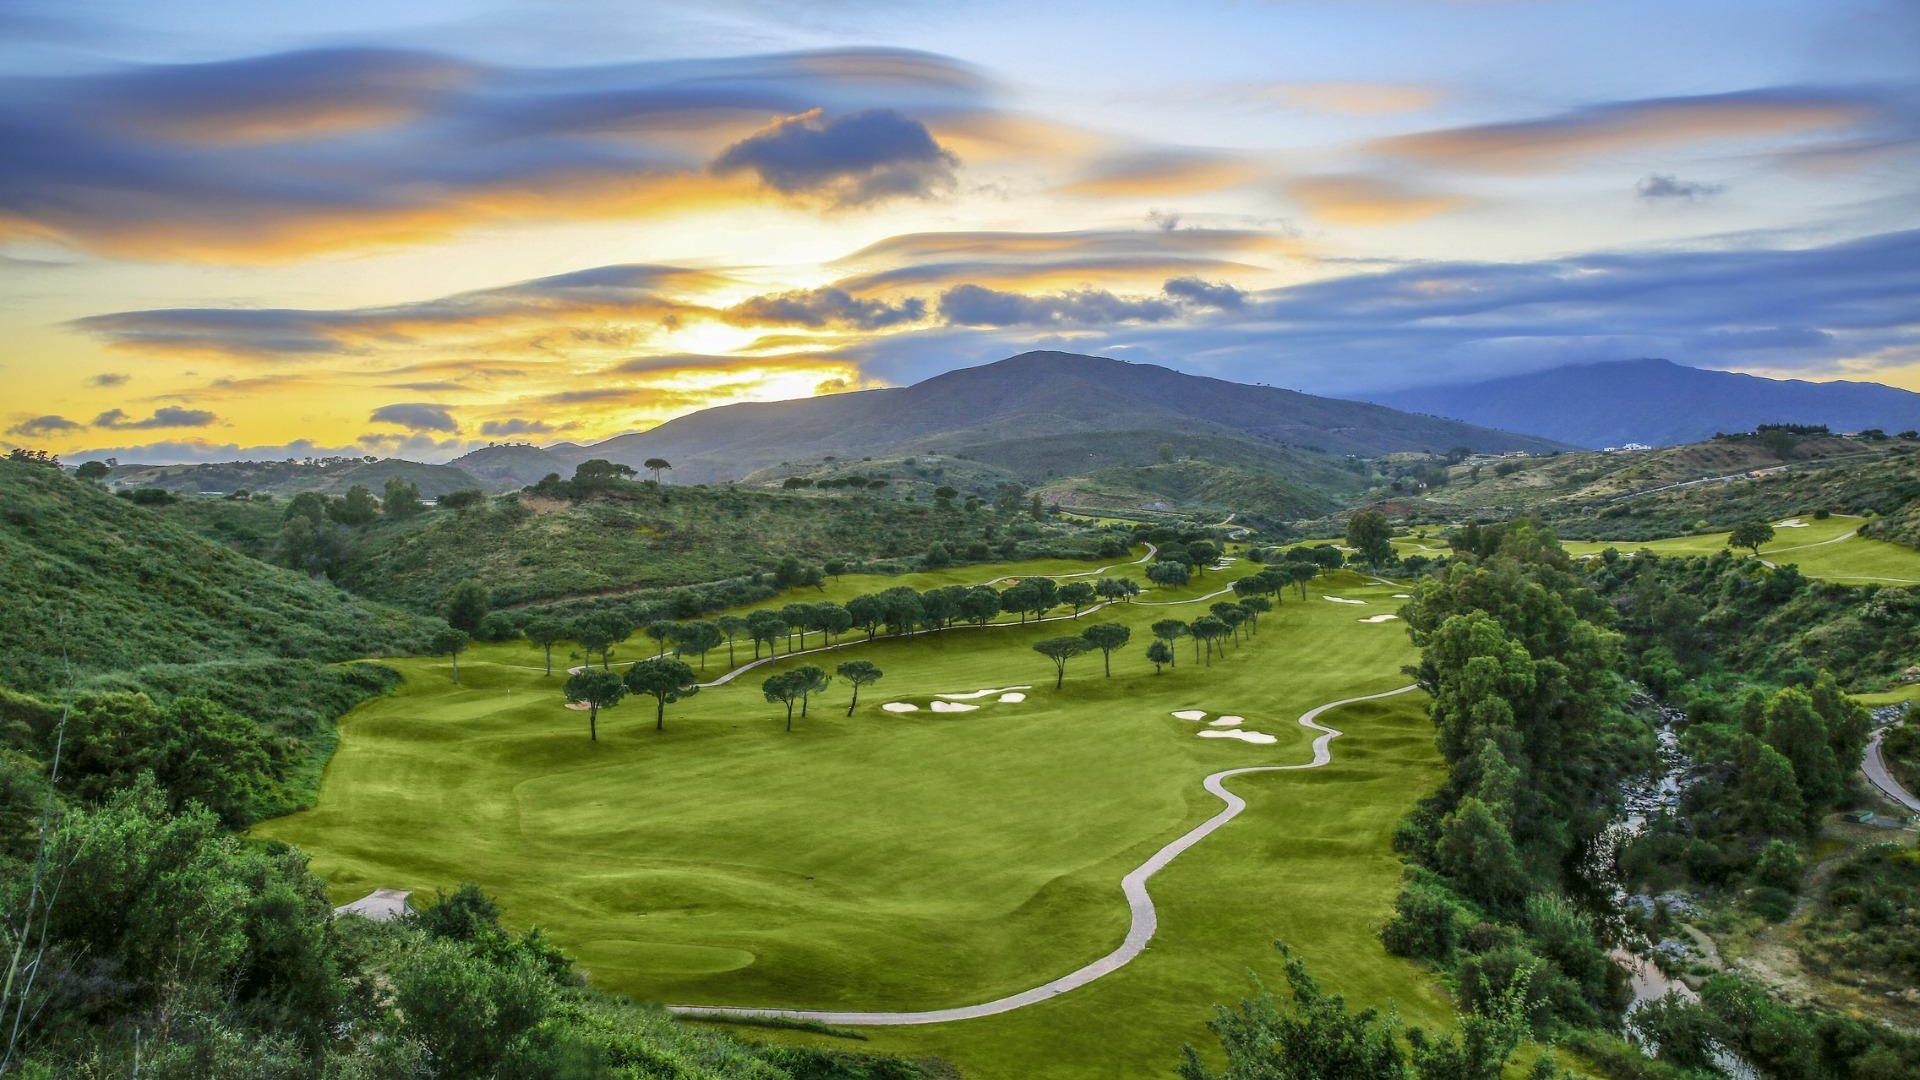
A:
<point x="1402" y="596"/>
<point x="952" y="706"/>
<point x="578" y="706"/>
<point x="900" y="706"/>
<point x="1012" y="699"/>
<point x="1260" y="737"/>
<point x="1790" y="523"/>
<point x="1190" y="714"/>
<point x="1343" y="600"/>
<point x="1229" y="721"/>
<point x="1380" y="618"/>
<point x="972" y="694"/>
<point x="380" y="905"/>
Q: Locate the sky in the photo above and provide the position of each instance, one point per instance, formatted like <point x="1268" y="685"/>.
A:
<point x="235" y="229"/>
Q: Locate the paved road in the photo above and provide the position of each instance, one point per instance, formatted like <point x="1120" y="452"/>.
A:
<point x="1875" y="769"/>
<point x="1145" y="920"/>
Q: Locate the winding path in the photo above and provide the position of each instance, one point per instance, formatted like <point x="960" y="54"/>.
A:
<point x="1145" y="920"/>
<point x="1875" y="768"/>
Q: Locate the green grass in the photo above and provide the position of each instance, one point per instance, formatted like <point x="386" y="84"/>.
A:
<point x="1818" y="549"/>
<point x="920" y="860"/>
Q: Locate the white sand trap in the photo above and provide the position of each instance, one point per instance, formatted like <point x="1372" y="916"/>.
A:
<point x="380" y="905"/>
<point x="579" y="706"/>
<point x="1343" y="600"/>
<point x="1260" y="737"/>
<point x="952" y="706"/>
<point x="900" y="706"/>
<point x="576" y="670"/>
<point x="972" y="694"/>
<point x="1402" y="596"/>
<point x="1190" y="714"/>
<point x="1380" y="618"/>
<point x="1012" y="699"/>
<point x="1790" y="523"/>
<point x="1228" y="721"/>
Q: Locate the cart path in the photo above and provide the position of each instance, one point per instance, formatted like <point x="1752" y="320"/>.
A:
<point x="1145" y="920"/>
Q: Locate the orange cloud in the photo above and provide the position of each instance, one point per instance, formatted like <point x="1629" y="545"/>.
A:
<point x="1353" y="98"/>
<point x="1368" y="200"/>
<point x="1162" y="174"/>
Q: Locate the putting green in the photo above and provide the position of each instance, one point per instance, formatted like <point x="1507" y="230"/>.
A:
<point x="920" y="860"/>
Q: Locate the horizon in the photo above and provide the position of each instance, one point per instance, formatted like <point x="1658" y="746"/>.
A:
<point x="409" y="233"/>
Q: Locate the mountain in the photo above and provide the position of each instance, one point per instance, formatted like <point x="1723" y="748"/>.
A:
<point x="1028" y="396"/>
<point x="331" y="476"/>
<point x="1658" y="402"/>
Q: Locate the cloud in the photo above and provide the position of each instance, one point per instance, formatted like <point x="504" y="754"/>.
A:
<point x="1355" y="199"/>
<point x="973" y="305"/>
<point x="1206" y="294"/>
<point x="828" y="307"/>
<point x="1551" y="142"/>
<point x="416" y="417"/>
<point x="1352" y="98"/>
<point x="624" y="301"/>
<point x="1162" y="173"/>
<point x="165" y="417"/>
<point x="1086" y="243"/>
<point x="41" y="426"/>
<point x="276" y="157"/>
<point x="1665" y="186"/>
<point x="853" y="160"/>
<point x="109" y="378"/>
<point x="517" y="426"/>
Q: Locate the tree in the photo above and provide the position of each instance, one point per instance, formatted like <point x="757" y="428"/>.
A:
<point x="467" y="604"/>
<point x="732" y="626"/>
<point x="697" y="639"/>
<point x="1315" y="1039"/>
<point x="979" y="604"/>
<point x="598" y="474"/>
<point x="1170" y="631"/>
<point x="1077" y="595"/>
<point x="1169" y="573"/>
<point x="451" y="642"/>
<point x="661" y="632"/>
<point x="831" y="620"/>
<point x="656" y="466"/>
<point x="765" y="628"/>
<point x="92" y="470"/>
<point x="596" y="690"/>
<point x="1202" y="554"/>
<point x="1060" y="650"/>
<point x="812" y="681"/>
<point x="1159" y="653"/>
<point x="1797" y="731"/>
<point x="938" y="557"/>
<point x="1752" y="535"/>
<point x="797" y="617"/>
<point x="600" y="632"/>
<point x="1255" y="606"/>
<point x="356" y="508"/>
<point x="400" y="500"/>
<point x="463" y="500"/>
<point x="1107" y="637"/>
<point x="545" y="631"/>
<point x="665" y="681"/>
<point x="1371" y="537"/>
<point x="785" y="689"/>
<point x="1231" y="614"/>
<point x="1208" y="629"/>
<point x="867" y="613"/>
<point x="858" y="673"/>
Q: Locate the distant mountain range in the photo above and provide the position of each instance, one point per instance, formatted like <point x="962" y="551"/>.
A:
<point x="1033" y="395"/>
<point x="1657" y="402"/>
<point x="332" y="476"/>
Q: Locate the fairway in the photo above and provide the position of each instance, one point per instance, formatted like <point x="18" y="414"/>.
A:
<point x="1821" y="548"/>
<point x="918" y="860"/>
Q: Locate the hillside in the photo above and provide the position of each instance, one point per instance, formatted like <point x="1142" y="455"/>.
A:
<point x="1666" y="492"/>
<point x="331" y="476"/>
<point x="506" y="467"/>
<point x="1657" y="402"/>
<point x="1034" y="395"/>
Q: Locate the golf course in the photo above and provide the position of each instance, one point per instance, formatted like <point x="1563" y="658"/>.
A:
<point x="901" y="860"/>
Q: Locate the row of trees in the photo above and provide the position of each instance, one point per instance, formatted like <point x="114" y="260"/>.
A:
<point x="668" y="681"/>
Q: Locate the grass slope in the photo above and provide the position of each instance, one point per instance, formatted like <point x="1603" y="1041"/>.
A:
<point x="918" y="860"/>
<point x="1826" y="549"/>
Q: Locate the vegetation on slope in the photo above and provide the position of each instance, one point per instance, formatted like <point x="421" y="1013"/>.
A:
<point x="331" y="476"/>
